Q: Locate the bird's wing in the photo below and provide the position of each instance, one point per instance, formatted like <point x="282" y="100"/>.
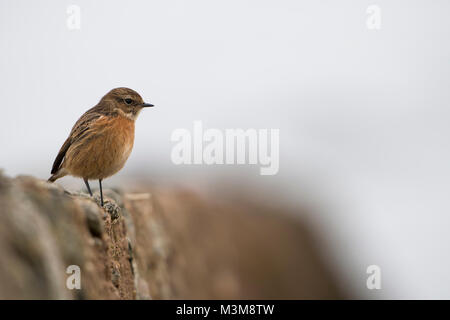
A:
<point x="79" y="130"/>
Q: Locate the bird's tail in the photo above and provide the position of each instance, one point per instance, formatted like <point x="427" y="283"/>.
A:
<point x="59" y="174"/>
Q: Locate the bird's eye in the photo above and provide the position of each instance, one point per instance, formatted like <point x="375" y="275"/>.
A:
<point x="128" y="101"/>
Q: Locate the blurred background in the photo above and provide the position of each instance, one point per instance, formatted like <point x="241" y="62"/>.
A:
<point x="362" y="113"/>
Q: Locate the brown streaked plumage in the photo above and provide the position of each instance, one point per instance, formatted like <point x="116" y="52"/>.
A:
<point x="101" y="140"/>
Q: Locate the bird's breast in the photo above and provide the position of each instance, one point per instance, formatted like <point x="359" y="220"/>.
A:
<point x="114" y="144"/>
<point x="121" y="136"/>
<point x="104" y="149"/>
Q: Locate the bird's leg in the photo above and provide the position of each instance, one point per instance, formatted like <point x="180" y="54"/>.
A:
<point x="101" y="192"/>
<point x="87" y="186"/>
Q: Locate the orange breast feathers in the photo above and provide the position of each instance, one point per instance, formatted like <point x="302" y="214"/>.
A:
<point x="103" y="150"/>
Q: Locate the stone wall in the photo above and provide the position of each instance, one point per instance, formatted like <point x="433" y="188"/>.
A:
<point x="158" y="244"/>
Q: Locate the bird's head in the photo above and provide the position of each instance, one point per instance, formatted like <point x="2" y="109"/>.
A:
<point x="125" y="101"/>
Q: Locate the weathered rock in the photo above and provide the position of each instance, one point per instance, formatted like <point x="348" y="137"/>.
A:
<point x="167" y="244"/>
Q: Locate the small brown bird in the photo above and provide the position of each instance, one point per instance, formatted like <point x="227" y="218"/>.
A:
<point x="101" y="140"/>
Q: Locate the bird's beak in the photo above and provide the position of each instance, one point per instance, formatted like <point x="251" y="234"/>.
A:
<point x="146" y="105"/>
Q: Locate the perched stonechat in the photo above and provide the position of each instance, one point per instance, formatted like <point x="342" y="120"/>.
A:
<point x="101" y="140"/>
